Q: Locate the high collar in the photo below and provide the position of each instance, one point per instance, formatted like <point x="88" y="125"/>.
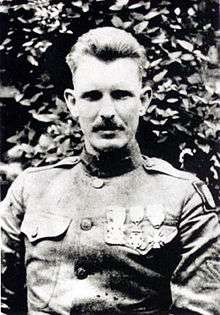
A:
<point x="115" y="163"/>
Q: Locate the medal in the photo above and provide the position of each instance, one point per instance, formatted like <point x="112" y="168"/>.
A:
<point x="156" y="215"/>
<point x="114" y="226"/>
<point x="135" y="237"/>
<point x="136" y="214"/>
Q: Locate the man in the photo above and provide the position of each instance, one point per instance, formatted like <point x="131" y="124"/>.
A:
<point x="110" y="232"/>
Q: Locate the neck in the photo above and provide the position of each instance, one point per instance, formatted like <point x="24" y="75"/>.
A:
<point x="112" y="163"/>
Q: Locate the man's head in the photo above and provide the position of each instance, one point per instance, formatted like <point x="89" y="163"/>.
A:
<point x="107" y="65"/>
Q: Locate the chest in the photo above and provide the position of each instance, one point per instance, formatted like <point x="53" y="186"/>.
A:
<point x="130" y="212"/>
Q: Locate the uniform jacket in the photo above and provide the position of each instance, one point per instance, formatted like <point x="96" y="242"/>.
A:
<point x="144" y="240"/>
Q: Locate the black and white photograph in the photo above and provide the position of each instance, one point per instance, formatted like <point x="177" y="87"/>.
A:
<point x="110" y="157"/>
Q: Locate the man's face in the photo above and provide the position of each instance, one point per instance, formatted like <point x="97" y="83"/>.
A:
<point x="107" y="100"/>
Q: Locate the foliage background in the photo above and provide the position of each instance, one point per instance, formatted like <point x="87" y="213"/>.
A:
<point x="182" y="123"/>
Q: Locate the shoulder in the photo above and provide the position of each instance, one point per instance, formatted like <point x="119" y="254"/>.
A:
<point x="39" y="177"/>
<point x="173" y="178"/>
<point x="66" y="163"/>
<point x="163" y="167"/>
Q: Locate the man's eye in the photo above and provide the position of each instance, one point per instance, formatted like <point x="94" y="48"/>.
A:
<point x="121" y="94"/>
<point x="92" y="96"/>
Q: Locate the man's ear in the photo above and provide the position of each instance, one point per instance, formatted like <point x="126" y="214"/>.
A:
<point x="71" y="102"/>
<point x="146" y="96"/>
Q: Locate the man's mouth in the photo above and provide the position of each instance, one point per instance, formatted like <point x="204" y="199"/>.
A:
<point x="107" y="128"/>
<point x="107" y="133"/>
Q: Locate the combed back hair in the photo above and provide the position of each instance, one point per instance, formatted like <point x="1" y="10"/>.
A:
<point x="107" y="44"/>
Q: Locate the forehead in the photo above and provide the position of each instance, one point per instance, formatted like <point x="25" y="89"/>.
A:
<point x="94" y="73"/>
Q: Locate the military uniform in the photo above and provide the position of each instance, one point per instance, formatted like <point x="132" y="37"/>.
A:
<point x="131" y="237"/>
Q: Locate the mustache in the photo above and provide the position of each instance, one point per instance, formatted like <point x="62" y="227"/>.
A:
<point x="107" y="124"/>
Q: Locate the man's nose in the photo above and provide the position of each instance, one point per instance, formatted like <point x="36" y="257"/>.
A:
<point x="107" y="110"/>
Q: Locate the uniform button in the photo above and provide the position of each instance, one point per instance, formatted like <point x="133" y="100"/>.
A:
<point x="98" y="183"/>
<point x="81" y="273"/>
<point x="86" y="224"/>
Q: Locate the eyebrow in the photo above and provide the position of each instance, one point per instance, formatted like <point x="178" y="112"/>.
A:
<point x="92" y="93"/>
<point x="121" y="92"/>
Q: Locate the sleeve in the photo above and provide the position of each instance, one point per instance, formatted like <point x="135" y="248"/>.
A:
<point x="195" y="284"/>
<point x="13" y="297"/>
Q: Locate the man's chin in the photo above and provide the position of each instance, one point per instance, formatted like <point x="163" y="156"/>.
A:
<point x="105" y="145"/>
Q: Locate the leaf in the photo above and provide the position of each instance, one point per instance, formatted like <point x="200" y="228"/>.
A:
<point x="77" y="3"/>
<point x="214" y="172"/>
<point x="175" y="26"/>
<point x="151" y="15"/>
<point x="6" y="41"/>
<point x="160" y="39"/>
<point x="151" y="108"/>
<point x="155" y="62"/>
<point x="38" y="30"/>
<point x="127" y="24"/>
<point x="26" y="29"/>
<point x="172" y="100"/>
<point x="117" y="22"/>
<point x="35" y="97"/>
<point x="4" y="9"/>
<point x="31" y="134"/>
<point x="174" y="55"/>
<point x="25" y="102"/>
<point x="44" y="117"/>
<point x="160" y="96"/>
<point x="27" y="148"/>
<point x="186" y="45"/>
<point x="45" y="141"/>
<point x="136" y="5"/>
<point x="140" y="27"/>
<point x="27" y="44"/>
<point x="18" y="97"/>
<point x="156" y="132"/>
<point x="43" y="45"/>
<point x="162" y="139"/>
<point x="204" y="147"/>
<point x="158" y="77"/>
<point x="119" y="5"/>
<point x="15" y="152"/>
<point x="187" y="57"/>
<point x="167" y="84"/>
<point x="184" y="152"/>
<point x="191" y="11"/>
<point x="65" y="145"/>
<point x="8" y="91"/>
<point x="137" y="16"/>
<point x="216" y="161"/>
<point x="33" y="61"/>
<point x="166" y="113"/>
<point x="152" y="30"/>
<point x="13" y="139"/>
<point x="177" y="11"/>
<point x="194" y="79"/>
<point x="183" y="92"/>
<point x="198" y="98"/>
<point x="182" y="129"/>
<point x="200" y="55"/>
<point x="158" y="123"/>
<point x="22" y="20"/>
